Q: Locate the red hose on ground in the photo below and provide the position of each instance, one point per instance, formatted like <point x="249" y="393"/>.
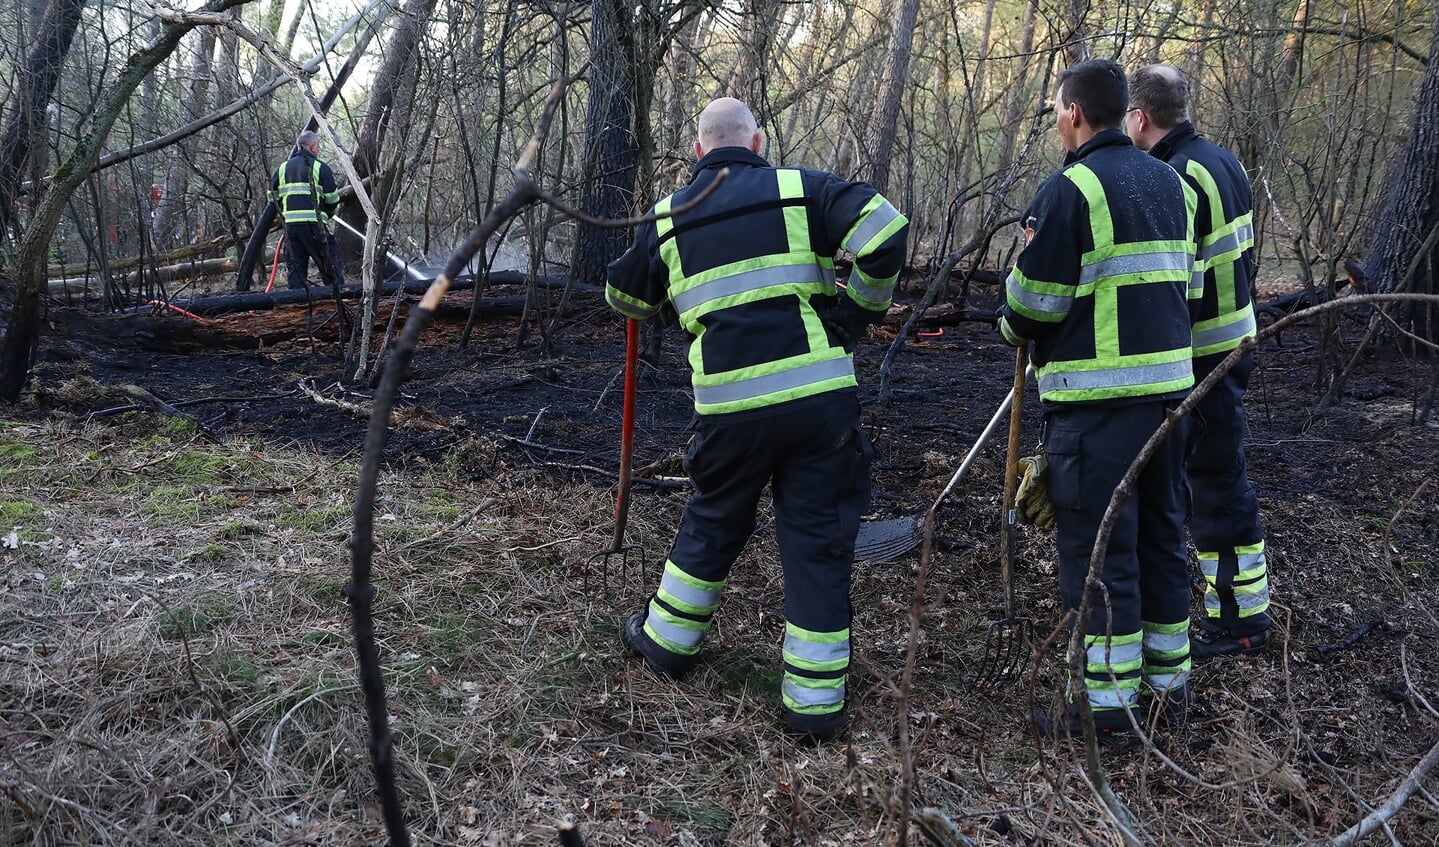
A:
<point x="275" y="265"/>
<point x="172" y="307"/>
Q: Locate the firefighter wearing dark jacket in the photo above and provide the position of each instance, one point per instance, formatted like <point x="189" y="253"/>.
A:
<point x="750" y="273"/>
<point x="1102" y="292"/>
<point x="304" y="189"/>
<point x="1224" y="516"/>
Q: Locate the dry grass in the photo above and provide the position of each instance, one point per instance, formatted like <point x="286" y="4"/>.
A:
<point x="176" y="668"/>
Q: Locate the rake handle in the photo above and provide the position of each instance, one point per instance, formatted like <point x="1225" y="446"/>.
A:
<point x="1011" y="480"/>
<point x="627" y="430"/>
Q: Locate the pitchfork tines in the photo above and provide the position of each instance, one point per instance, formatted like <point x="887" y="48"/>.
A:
<point x="1006" y="648"/>
<point x="599" y="566"/>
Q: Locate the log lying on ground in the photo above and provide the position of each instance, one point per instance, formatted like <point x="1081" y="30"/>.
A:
<point x="82" y="335"/>
<point x="251" y="301"/>
<point x="214" y="245"/>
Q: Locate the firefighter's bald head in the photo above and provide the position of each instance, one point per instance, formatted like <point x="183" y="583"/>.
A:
<point x="726" y="122"/>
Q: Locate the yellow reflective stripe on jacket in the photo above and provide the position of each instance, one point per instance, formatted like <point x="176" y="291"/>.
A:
<point x="1103" y="271"/>
<point x="748" y="281"/>
<point x="796" y="218"/>
<point x="1123" y="376"/>
<point x="1220" y="251"/>
<point x="1036" y="299"/>
<point x="1223" y="333"/>
<point x="876" y="224"/>
<point x="773" y="382"/>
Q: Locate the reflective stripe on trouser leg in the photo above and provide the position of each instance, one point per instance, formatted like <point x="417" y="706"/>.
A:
<point x="1112" y="668"/>
<point x="1236" y="582"/>
<point x="821" y="489"/>
<point x="1166" y="654"/>
<point x="717" y="521"/>
<point x="1224" y="522"/>
<point x="815" y="664"/>
<point x="680" y="612"/>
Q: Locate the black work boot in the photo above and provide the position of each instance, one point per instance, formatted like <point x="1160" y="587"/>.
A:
<point x="657" y="658"/>
<point x="1068" y="723"/>
<point x="1171" y="707"/>
<point x="811" y="730"/>
<point x="1210" y="639"/>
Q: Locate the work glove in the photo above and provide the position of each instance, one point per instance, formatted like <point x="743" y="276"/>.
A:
<point x="1031" y="501"/>
<point x="848" y="322"/>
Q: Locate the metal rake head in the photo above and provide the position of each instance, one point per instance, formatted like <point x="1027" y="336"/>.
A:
<point x="618" y="563"/>
<point x="1006" y="653"/>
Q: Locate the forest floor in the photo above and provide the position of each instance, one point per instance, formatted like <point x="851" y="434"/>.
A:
<point x="176" y="663"/>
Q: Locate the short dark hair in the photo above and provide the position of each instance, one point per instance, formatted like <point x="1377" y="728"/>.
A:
<point x="1099" y="87"/>
<point x="1161" y="91"/>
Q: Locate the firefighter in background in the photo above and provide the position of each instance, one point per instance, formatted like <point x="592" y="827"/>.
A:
<point x="1102" y="292"/>
<point x="304" y="189"/>
<point x="1224" y="516"/>
<point x="750" y="273"/>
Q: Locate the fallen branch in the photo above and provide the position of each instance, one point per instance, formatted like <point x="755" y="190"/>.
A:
<point x="155" y="404"/>
<point x="307" y="385"/>
<point x="1380" y="817"/>
<point x="362" y="540"/>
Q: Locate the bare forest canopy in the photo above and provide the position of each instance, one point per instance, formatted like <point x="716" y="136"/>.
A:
<point x="1316" y="98"/>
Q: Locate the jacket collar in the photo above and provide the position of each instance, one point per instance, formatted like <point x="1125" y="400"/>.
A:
<point x="1103" y="138"/>
<point x="1167" y="146"/>
<point x="722" y="156"/>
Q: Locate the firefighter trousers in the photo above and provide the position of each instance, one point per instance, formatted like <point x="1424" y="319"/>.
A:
<point x="816" y="460"/>
<point x="1224" y="519"/>
<point x="1139" y="628"/>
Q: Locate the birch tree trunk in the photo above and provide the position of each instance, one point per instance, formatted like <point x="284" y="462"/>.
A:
<point x="893" y="80"/>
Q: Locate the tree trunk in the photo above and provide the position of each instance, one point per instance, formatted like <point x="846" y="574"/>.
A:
<point x="893" y="80"/>
<point x="1407" y="222"/>
<point x="1019" y="98"/>
<point x="25" y="126"/>
<point x="400" y="55"/>
<point x="170" y="214"/>
<point x="1076" y="43"/>
<point x="610" y="164"/>
<point x="23" y="329"/>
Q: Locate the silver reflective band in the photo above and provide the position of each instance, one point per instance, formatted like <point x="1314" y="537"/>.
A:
<point x="1165" y="642"/>
<point x="1119" y="654"/>
<point x="1167" y="262"/>
<point x="686" y="639"/>
<point x="1049" y="304"/>
<point x="1162" y="682"/>
<point x="697" y="598"/>
<point x="758" y="386"/>
<point x="1236" y="331"/>
<point x="815" y="652"/>
<point x="1115" y="377"/>
<point x="1110" y="698"/>
<point x="1209" y="562"/>
<point x="869" y="293"/>
<point x="873" y="224"/>
<point x="802" y="696"/>
<point x="1243" y="601"/>
<point x="1241" y="234"/>
<point x="752" y="280"/>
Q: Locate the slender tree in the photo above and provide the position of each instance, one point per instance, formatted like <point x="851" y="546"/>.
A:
<point x="23" y="329"/>
<point x="24" y="126"/>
